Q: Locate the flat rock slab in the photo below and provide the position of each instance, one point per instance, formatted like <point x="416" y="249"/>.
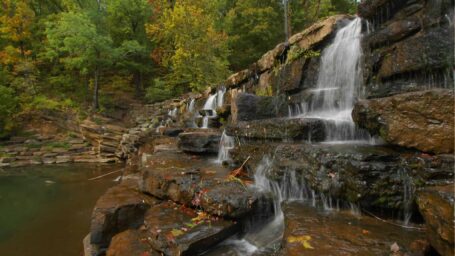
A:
<point x="197" y="182"/>
<point x="437" y="207"/>
<point x="200" y="142"/>
<point x="280" y="128"/>
<point x="309" y="231"/>
<point x="176" y="230"/>
<point x="120" y="208"/>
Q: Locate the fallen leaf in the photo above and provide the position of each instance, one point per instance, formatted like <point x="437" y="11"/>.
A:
<point x="176" y="232"/>
<point x="394" y="248"/>
<point x="304" y="240"/>
<point x="365" y="232"/>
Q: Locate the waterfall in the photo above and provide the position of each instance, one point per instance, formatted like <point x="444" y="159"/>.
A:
<point x="220" y="96"/>
<point x="210" y="104"/>
<point x="205" y="122"/>
<point x="338" y="86"/>
<point x="173" y="112"/>
<point x="191" y="105"/>
<point x="226" y="144"/>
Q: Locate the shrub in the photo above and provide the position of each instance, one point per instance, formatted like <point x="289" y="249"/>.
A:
<point x="158" y="91"/>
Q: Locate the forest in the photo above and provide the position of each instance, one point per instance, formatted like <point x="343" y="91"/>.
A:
<point x="85" y="55"/>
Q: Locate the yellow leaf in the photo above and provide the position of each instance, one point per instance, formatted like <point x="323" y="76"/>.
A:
<point x="176" y="232"/>
<point x="304" y="240"/>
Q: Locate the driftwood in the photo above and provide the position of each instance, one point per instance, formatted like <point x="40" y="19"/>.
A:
<point x="391" y="223"/>
<point x="240" y="172"/>
<point x="104" y="175"/>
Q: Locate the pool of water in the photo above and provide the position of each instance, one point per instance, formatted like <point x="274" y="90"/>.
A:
<point x="45" y="210"/>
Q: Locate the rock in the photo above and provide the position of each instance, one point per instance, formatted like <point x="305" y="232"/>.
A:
<point x="267" y="61"/>
<point x="120" y="208"/>
<point x="422" y="120"/>
<point x="394" y="32"/>
<point x="316" y="33"/>
<point x="311" y="73"/>
<point x="371" y="176"/>
<point x="199" y="142"/>
<point x="237" y="78"/>
<point x="247" y="107"/>
<point x="89" y="249"/>
<point x="280" y="128"/>
<point x="172" y="132"/>
<point x="130" y="242"/>
<point x="309" y="231"/>
<point x="430" y="51"/>
<point x="195" y="183"/>
<point x="63" y="159"/>
<point x="172" y="230"/>
<point x="290" y="75"/>
<point x="436" y="205"/>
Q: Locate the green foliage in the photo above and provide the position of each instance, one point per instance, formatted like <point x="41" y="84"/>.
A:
<point x="42" y="102"/>
<point x="158" y="91"/>
<point x="8" y="107"/>
<point x="254" y="27"/>
<point x="296" y="53"/>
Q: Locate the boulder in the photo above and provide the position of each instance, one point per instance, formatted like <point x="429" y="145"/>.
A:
<point x="423" y="120"/>
<point x="280" y="128"/>
<point x="236" y="79"/>
<point x="199" y="142"/>
<point x="436" y="205"/>
<point x="120" y="208"/>
<point x="247" y="107"/>
<point x="394" y="32"/>
<point x="267" y="61"/>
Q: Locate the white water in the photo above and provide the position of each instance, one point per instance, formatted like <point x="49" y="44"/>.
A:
<point x="173" y="112"/>
<point x="226" y="144"/>
<point x="339" y="84"/>
<point x="210" y="104"/>
<point x="191" y="105"/>
<point x="220" y="96"/>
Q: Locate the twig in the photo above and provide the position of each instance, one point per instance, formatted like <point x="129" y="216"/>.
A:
<point x="391" y="223"/>
<point x="104" y="175"/>
<point x="247" y="159"/>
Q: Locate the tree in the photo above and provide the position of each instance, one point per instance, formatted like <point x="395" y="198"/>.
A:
<point x="126" y="21"/>
<point x="76" y="42"/>
<point x="8" y="107"/>
<point x="194" y="52"/>
<point x="254" y="27"/>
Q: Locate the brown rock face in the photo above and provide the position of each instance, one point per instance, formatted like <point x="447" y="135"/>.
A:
<point x="120" y="208"/>
<point x="436" y="205"/>
<point x="423" y="120"/>
<point x="131" y="243"/>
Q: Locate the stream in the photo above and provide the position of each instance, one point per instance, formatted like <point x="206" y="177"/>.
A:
<point x="45" y="210"/>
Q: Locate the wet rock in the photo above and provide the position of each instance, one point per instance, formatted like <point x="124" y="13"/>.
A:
<point x="311" y="73"/>
<point x="430" y="51"/>
<point x="130" y="242"/>
<point x="267" y="61"/>
<point x="176" y="230"/>
<point x="199" y="142"/>
<point x="120" y="208"/>
<point x="422" y="120"/>
<point x="237" y="78"/>
<point x="186" y="184"/>
<point x="290" y="75"/>
<point x="372" y="176"/>
<point x="280" y="128"/>
<point x="311" y="231"/>
<point x="247" y="107"/>
<point x="394" y="32"/>
<point x="436" y="204"/>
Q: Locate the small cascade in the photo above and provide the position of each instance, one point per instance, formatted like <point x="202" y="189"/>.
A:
<point x="191" y="105"/>
<point x="220" y="96"/>
<point x="173" y="112"/>
<point x="408" y="196"/>
<point x="210" y="104"/>
<point x="205" y="122"/>
<point x="226" y="144"/>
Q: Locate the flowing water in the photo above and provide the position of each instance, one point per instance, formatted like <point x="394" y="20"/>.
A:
<point x="338" y="86"/>
<point x="227" y="143"/>
<point x="45" y="210"/>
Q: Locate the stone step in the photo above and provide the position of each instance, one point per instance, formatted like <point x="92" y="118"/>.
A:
<point x="311" y="231"/>
<point x="200" y="141"/>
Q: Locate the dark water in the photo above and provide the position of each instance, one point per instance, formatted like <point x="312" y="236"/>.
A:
<point x="45" y="210"/>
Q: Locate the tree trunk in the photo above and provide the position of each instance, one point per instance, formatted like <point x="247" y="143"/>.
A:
<point x="95" y="92"/>
<point x="137" y="80"/>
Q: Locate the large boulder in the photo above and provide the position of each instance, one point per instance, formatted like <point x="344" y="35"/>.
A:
<point x="120" y="208"/>
<point x="437" y="207"/>
<point x="200" y="141"/>
<point x="130" y="242"/>
<point x="423" y="120"/>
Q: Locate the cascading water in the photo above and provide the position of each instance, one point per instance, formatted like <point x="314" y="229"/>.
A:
<point x="173" y="112"/>
<point x="220" y="96"/>
<point x="226" y="144"/>
<point x="339" y="83"/>
<point x="191" y="105"/>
